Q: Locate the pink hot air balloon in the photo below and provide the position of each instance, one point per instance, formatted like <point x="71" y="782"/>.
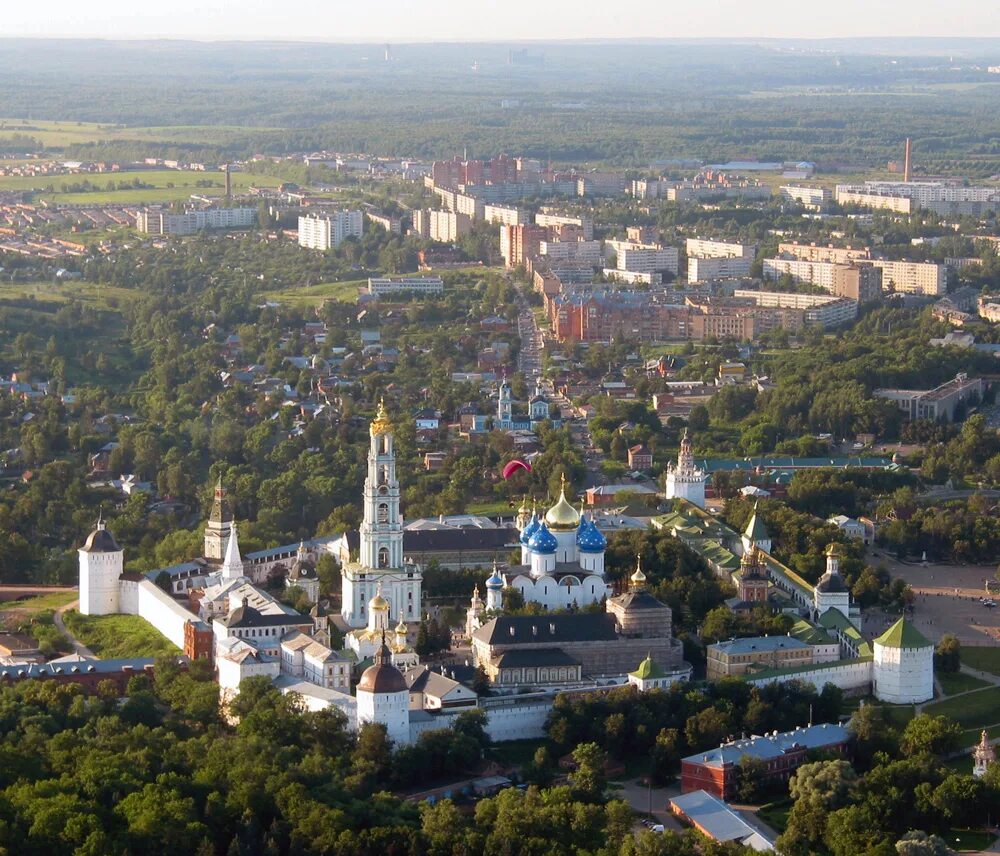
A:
<point x="513" y="466"/>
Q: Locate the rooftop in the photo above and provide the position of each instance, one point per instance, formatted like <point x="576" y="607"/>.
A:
<point x="903" y="634"/>
<point x="759" y="644"/>
<point x="774" y="745"/>
<point x="718" y="820"/>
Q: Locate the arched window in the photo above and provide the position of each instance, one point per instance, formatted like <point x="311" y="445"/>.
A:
<point x="385" y="444"/>
<point x="383" y="557"/>
<point x="383" y="474"/>
<point x="382" y="512"/>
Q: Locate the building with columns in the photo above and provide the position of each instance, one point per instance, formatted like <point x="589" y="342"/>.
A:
<point x="380" y="566"/>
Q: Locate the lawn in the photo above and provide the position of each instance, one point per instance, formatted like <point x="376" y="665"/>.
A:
<point x="517" y="753"/>
<point x="974" y="710"/>
<point x="899" y="714"/>
<point x="111" y="636"/>
<point x="61" y="134"/>
<point x="493" y="508"/>
<point x="65" y="291"/>
<point x="52" y="600"/>
<point x="346" y="291"/>
<point x="775" y="814"/>
<point x="968" y="839"/>
<point x="956" y="682"/>
<point x="985" y="659"/>
<point x="168" y="185"/>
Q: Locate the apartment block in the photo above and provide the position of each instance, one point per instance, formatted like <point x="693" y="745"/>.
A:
<point x="392" y="225"/>
<point x="519" y="243"/>
<point x="581" y="252"/>
<point x="814" y="253"/>
<point x="913" y="277"/>
<point x="439" y="225"/>
<point x="645" y="258"/>
<point x="817" y="273"/>
<point x="811" y="197"/>
<point x="600" y="184"/>
<point x="861" y="282"/>
<point x="819" y="309"/>
<point x="709" y="249"/>
<point x="328" y="231"/>
<point x="552" y="217"/>
<point x="847" y="195"/>
<point x="712" y="268"/>
<point x="505" y="215"/>
<point x="157" y="222"/>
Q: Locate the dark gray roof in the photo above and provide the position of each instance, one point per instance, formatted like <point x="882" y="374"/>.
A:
<point x="833" y="583"/>
<point x="640" y="599"/>
<point x="448" y="540"/>
<point x="101" y="541"/>
<point x="528" y="629"/>
<point x="247" y="616"/>
<point x="534" y="657"/>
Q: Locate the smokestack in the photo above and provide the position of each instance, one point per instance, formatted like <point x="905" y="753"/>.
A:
<point x="906" y="161"/>
<point x="229" y="183"/>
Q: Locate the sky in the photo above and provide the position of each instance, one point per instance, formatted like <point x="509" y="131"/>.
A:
<point x="497" y="20"/>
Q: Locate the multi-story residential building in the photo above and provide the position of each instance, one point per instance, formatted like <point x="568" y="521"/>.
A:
<point x="820" y="309"/>
<point x="814" y="253"/>
<point x="552" y="217"/>
<point x="811" y="197"/>
<point x="499" y="170"/>
<point x="505" y="215"/>
<point x="382" y="285"/>
<point x="439" y="225"/>
<point x="988" y="307"/>
<point x="328" y="231"/>
<point x="600" y="184"/>
<point x="913" y="277"/>
<point x="392" y="225"/>
<point x="644" y="258"/>
<point x="583" y="252"/>
<point x="712" y="268"/>
<point x="707" y="248"/>
<point x="711" y="185"/>
<point x="648" y="188"/>
<point x="816" y="273"/>
<point x="861" y="282"/>
<point x="519" y="243"/>
<point x="936" y="404"/>
<point x="881" y="201"/>
<point x="471" y="206"/>
<point x="158" y="222"/>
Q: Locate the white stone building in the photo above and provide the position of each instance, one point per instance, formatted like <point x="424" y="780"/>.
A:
<point x="380" y="567"/>
<point x="903" y="671"/>
<point x="685" y="480"/>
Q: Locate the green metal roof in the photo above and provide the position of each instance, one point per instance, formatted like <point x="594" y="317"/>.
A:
<point x="903" y="634"/>
<point x="648" y="670"/>
<point x="811" y="635"/>
<point x="798" y="670"/>
<point x="756" y="531"/>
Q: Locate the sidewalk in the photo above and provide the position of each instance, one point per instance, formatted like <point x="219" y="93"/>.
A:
<point x="78" y="646"/>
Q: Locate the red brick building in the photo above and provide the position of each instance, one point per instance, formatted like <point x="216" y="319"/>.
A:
<point x="716" y="771"/>
<point x="640" y="458"/>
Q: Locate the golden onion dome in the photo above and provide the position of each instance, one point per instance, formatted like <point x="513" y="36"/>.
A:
<point x="562" y="515"/>
<point x="638" y="578"/>
<point x="379" y="603"/>
<point x="381" y="423"/>
<point x="401" y="627"/>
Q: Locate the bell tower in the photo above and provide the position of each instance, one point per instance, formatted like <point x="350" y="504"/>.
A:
<point x="219" y="525"/>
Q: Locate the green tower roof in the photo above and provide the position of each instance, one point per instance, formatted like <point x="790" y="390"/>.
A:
<point x="648" y="670"/>
<point x="756" y="531"/>
<point x="903" y="634"/>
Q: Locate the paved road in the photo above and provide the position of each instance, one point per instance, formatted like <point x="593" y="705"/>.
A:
<point x="529" y="360"/>
<point x="637" y="795"/>
<point x="78" y="646"/>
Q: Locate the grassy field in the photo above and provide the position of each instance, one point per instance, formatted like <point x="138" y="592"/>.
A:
<point x="314" y="295"/>
<point x="168" y="185"/>
<point x="985" y="659"/>
<point x="775" y="814"/>
<point x="974" y="710"/>
<point x="956" y="682"/>
<point x="493" y="508"/>
<point x="64" y="292"/>
<point x="60" y="134"/>
<point x="111" y="636"/>
<point x="40" y="603"/>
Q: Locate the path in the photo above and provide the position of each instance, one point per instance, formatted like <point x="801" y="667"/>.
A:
<point x="78" y="646"/>
<point x="638" y="796"/>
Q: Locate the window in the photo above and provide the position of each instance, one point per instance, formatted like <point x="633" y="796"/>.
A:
<point x="382" y="512"/>
<point x="383" y="557"/>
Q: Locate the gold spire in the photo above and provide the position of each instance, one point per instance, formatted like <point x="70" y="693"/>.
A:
<point x="381" y="423"/>
<point x="562" y="515"/>
<point x="638" y="578"/>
